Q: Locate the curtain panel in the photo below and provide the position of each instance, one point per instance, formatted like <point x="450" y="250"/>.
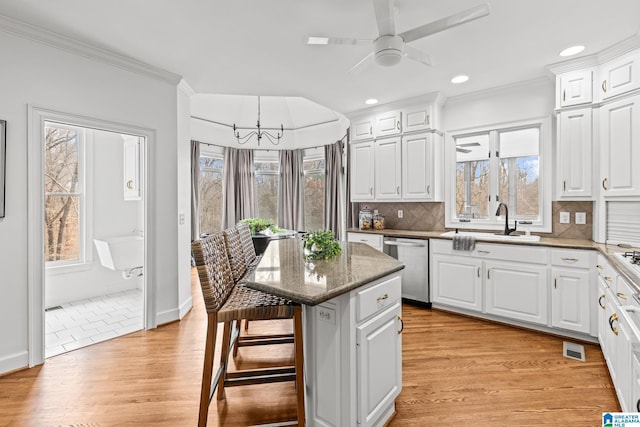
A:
<point x="291" y="191"/>
<point x="195" y="190"/>
<point x="238" y="186"/>
<point x="333" y="181"/>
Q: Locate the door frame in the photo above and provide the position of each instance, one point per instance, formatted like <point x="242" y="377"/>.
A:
<point x="36" y="116"/>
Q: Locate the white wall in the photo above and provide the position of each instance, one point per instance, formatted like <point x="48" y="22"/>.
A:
<point x="505" y="104"/>
<point x="38" y="74"/>
<point x="111" y="215"/>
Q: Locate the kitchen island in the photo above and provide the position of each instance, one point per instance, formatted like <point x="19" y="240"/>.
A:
<point x="352" y="328"/>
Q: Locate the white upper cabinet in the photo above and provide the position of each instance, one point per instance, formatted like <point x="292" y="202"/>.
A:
<point x="417" y="118"/>
<point x="362" y="129"/>
<point x="388" y="124"/>
<point x="362" y="169"/>
<point x="574" y="88"/>
<point x="574" y="154"/>
<point x="388" y="165"/>
<point x="419" y="167"/>
<point x="620" y="75"/>
<point x="620" y="147"/>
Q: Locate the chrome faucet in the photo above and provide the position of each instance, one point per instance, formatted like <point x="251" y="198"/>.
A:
<point x="507" y="230"/>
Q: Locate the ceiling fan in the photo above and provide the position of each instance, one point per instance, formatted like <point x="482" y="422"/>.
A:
<point x="390" y="47"/>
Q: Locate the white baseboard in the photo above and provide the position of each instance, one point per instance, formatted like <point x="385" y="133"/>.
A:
<point x="185" y="307"/>
<point x="14" y="361"/>
<point x="167" y="316"/>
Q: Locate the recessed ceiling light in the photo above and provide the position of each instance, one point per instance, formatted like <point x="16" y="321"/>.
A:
<point x="371" y="101"/>
<point x="572" y="50"/>
<point x="460" y="79"/>
<point x="317" y="40"/>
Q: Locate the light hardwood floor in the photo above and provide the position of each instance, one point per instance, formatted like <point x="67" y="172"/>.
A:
<point x="457" y="371"/>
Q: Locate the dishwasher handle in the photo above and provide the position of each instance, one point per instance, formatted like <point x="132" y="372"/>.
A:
<point x="396" y="243"/>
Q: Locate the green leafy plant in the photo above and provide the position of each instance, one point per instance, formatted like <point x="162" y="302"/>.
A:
<point x="321" y="244"/>
<point x="259" y="224"/>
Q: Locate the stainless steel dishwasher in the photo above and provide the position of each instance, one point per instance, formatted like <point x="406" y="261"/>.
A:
<point x="414" y="253"/>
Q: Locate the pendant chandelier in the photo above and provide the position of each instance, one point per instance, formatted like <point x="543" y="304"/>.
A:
<point x="259" y="133"/>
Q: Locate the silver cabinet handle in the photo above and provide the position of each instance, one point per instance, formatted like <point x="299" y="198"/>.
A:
<point x="489" y="274"/>
<point x="398" y="189"/>
<point x="570" y="259"/>
<point x="398" y="124"/>
<point x="428" y="189"/>
<point x="484" y="252"/>
<point x="413" y="245"/>
<point x="478" y="271"/>
<point x="555" y="282"/>
<point x="604" y="184"/>
<point x="604" y="85"/>
<point x="371" y="190"/>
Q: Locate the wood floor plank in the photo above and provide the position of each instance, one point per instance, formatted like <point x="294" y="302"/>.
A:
<point x="456" y="371"/>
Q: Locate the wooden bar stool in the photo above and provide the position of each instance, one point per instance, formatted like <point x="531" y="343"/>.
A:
<point x="237" y="253"/>
<point x="227" y="302"/>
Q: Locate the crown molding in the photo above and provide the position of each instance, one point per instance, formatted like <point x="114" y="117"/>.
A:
<point x="185" y="88"/>
<point x="50" y="38"/>
<point x="433" y="97"/>
<point x="621" y="48"/>
<point x="538" y="81"/>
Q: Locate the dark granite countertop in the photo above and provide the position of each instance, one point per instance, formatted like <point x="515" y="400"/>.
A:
<point x="284" y="271"/>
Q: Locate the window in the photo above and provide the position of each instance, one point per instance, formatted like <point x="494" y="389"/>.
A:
<point x="211" y="166"/>
<point x="314" y="168"/>
<point x="501" y="165"/>
<point x="64" y="205"/>
<point x="267" y="168"/>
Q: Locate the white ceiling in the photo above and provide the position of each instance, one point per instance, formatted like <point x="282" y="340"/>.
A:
<point x="255" y="47"/>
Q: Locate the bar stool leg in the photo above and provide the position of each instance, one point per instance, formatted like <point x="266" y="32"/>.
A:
<point x="207" y="369"/>
<point x="299" y="361"/>
<point x="224" y="358"/>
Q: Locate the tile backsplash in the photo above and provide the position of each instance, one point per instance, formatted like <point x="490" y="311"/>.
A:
<point x="429" y="216"/>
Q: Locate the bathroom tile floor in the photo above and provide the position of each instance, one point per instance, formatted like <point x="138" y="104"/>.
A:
<point x="81" y="323"/>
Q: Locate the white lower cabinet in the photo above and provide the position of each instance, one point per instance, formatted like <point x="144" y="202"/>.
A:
<point x="570" y="302"/>
<point x="457" y="281"/>
<point x="517" y="291"/>
<point x="355" y="356"/>
<point x="373" y="240"/>
<point x="379" y="361"/>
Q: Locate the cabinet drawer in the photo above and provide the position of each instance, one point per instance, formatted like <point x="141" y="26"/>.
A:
<point x="571" y="258"/>
<point x="373" y="240"/>
<point x="377" y="297"/>
<point x="504" y="252"/>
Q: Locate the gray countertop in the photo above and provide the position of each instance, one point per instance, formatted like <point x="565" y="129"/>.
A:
<point x="284" y="271"/>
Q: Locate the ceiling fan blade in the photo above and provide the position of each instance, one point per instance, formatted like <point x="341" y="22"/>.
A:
<point x="364" y="62"/>
<point x="446" y="23"/>
<point x="469" y="144"/>
<point x="417" y="55"/>
<point x="463" y="150"/>
<point x="322" y="40"/>
<point x="385" y="17"/>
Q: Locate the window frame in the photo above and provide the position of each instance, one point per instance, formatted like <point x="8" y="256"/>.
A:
<point x="311" y="155"/>
<point x="266" y="156"/>
<point x="85" y="205"/>
<point x="214" y="152"/>
<point x="544" y="222"/>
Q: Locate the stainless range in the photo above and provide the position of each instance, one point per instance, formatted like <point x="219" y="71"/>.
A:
<point x="632" y="261"/>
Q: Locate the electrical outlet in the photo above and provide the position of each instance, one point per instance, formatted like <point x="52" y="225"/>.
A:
<point x="181" y="219"/>
<point x="565" y="218"/>
<point x="400" y="213"/>
<point x="581" y="218"/>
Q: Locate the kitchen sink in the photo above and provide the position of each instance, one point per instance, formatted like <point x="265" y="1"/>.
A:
<point x="494" y="236"/>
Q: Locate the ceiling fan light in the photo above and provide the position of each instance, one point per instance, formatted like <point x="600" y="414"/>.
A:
<point x="371" y="101"/>
<point x="388" y="50"/>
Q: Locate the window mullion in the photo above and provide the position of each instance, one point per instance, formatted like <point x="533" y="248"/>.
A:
<point x="494" y="174"/>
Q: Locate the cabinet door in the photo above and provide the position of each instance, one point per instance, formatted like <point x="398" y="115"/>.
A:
<point x="379" y="364"/>
<point x="388" y="124"/>
<point x="456" y="281"/>
<point x="362" y="129"/>
<point x="620" y="139"/>
<point x="417" y="167"/>
<point x="575" y="88"/>
<point x="388" y="165"/>
<point x="570" y="299"/>
<point x="621" y="358"/>
<point x="619" y="76"/>
<point x="362" y="171"/>
<point x="603" y="324"/>
<point x="417" y="119"/>
<point x="574" y="143"/>
<point x="517" y="291"/>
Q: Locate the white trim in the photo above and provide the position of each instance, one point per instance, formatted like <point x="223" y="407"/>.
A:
<point x="36" y="116"/>
<point x="185" y="307"/>
<point x="168" y="316"/>
<point x="546" y="177"/>
<point x="185" y="88"/>
<point x="14" y="361"/>
<point x="50" y="38"/>
<point x="485" y="93"/>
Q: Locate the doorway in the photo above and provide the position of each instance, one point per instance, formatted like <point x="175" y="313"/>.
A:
<point x="88" y="275"/>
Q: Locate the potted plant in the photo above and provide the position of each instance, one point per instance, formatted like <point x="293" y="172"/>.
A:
<point x="321" y="244"/>
<point x="261" y="230"/>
